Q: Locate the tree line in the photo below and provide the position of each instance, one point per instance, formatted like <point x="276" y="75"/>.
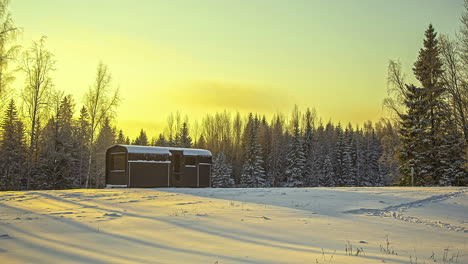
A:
<point x="46" y="144"/>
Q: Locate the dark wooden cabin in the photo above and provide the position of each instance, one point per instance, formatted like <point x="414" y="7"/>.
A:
<point x="144" y="166"/>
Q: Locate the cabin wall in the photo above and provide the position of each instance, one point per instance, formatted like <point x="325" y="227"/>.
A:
<point x="149" y="174"/>
<point x="116" y="166"/>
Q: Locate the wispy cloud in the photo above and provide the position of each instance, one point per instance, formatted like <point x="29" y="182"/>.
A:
<point x="218" y="95"/>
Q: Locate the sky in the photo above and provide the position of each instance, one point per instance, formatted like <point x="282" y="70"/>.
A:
<point x="199" y="57"/>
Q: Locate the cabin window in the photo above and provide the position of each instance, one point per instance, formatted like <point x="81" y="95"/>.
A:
<point x="190" y="161"/>
<point x="118" y="162"/>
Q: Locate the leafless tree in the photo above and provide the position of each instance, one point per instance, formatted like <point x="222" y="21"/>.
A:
<point x="37" y="65"/>
<point x="8" y="51"/>
<point x="101" y="101"/>
<point x="395" y="87"/>
<point x="454" y="82"/>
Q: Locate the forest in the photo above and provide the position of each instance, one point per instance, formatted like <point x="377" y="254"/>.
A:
<point x="49" y="141"/>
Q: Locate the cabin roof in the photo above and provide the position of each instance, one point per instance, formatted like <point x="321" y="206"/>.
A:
<point x="166" y="150"/>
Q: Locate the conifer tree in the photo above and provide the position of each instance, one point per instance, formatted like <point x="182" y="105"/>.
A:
<point x="120" y="138"/>
<point x="328" y="174"/>
<point x="253" y="174"/>
<point x="81" y="134"/>
<point x="183" y="138"/>
<point x="277" y="153"/>
<point x="295" y="159"/>
<point x="12" y="150"/>
<point x="222" y="172"/>
<point x="308" y="148"/>
<point x="201" y="143"/>
<point x="57" y="164"/>
<point x="142" y="139"/>
<point x="415" y="156"/>
<point x="161" y="142"/>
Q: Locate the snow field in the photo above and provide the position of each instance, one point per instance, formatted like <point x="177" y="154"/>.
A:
<point x="254" y="225"/>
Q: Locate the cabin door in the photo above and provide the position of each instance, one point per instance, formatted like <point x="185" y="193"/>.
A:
<point x="177" y="169"/>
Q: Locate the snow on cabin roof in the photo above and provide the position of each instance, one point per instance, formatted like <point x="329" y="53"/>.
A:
<point x="166" y="150"/>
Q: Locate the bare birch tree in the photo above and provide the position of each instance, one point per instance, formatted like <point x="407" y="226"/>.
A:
<point x="100" y="101"/>
<point x="37" y="65"/>
<point x="8" y="52"/>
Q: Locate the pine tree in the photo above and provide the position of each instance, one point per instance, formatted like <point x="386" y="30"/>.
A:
<point x="339" y="166"/>
<point x="253" y="174"/>
<point x="348" y="162"/>
<point x="428" y="69"/>
<point x="12" y="150"/>
<point x="120" y="138"/>
<point x="183" y="138"/>
<point x="277" y="153"/>
<point x="328" y="174"/>
<point x="450" y="153"/>
<point x="142" y="139"/>
<point x="161" y="142"/>
<point x="308" y="149"/>
<point x="295" y="159"/>
<point x="81" y="134"/>
<point x="222" y="172"/>
<point x="417" y="164"/>
<point x="57" y="164"/>
<point x="318" y="155"/>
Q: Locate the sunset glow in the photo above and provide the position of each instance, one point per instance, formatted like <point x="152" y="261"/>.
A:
<point x="199" y="57"/>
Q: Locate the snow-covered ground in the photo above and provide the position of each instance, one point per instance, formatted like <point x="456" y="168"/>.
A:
<point x="296" y="225"/>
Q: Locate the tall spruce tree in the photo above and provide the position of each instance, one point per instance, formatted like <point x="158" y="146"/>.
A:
<point x="12" y="150"/>
<point x="120" y="138"/>
<point x="142" y="139"/>
<point x="428" y="70"/>
<point x="295" y="158"/>
<point x="81" y="134"/>
<point x="308" y="148"/>
<point x="253" y="174"/>
<point x="328" y="174"/>
<point x="417" y="164"/>
<point x="183" y="138"/>
<point x="57" y="164"/>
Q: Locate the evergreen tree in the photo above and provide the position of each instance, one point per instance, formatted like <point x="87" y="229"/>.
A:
<point x="161" y="142"/>
<point x="415" y="156"/>
<point x="308" y="148"/>
<point x="450" y="153"/>
<point x="253" y="174"/>
<point x="328" y="174"/>
<point x="339" y="166"/>
<point x="120" y="138"/>
<point x="428" y="69"/>
<point x="12" y="150"/>
<point x="183" y="138"/>
<point x="295" y="159"/>
<point x="81" y="134"/>
<point x="142" y="139"/>
<point x="221" y="176"/>
<point x="277" y="153"/>
<point x="201" y="143"/>
<point x="348" y="163"/>
<point x="318" y="155"/>
<point x="264" y="139"/>
<point x="57" y="165"/>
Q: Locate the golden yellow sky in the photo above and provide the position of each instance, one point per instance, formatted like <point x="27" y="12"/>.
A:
<point x="203" y="56"/>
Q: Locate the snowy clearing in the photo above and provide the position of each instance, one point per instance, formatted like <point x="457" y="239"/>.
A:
<point x="277" y="225"/>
